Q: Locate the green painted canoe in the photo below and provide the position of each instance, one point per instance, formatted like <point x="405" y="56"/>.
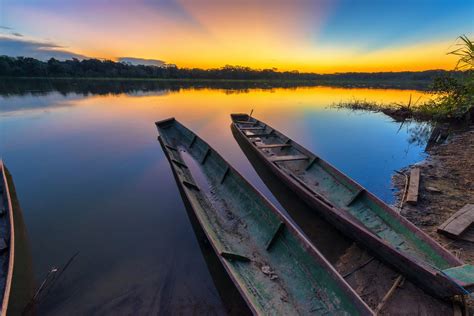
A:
<point x="272" y="264"/>
<point x="7" y="241"/>
<point x="355" y="211"/>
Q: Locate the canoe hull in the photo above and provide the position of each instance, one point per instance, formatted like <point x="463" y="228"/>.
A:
<point x="243" y="288"/>
<point x="7" y="236"/>
<point x="243" y="308"/>
<point x="422" y="274"/>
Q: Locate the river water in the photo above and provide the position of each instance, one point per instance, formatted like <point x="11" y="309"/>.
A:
<point x="93" y="181"/>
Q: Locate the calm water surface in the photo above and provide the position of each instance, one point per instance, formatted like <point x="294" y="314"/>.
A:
<point x="92" y="179"/>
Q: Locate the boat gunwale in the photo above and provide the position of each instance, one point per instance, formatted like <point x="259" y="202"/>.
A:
<point x="357" y="301"/>
<point x="409" y="260"/>
<point x="11" y="259"/>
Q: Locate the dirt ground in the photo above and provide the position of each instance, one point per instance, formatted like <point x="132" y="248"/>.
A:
<point x="446" y="185"/>
<point x="372" y="280"/>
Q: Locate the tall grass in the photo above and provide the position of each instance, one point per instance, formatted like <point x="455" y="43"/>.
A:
<point x="465" y="53"/>
<point x="453" y="97"/>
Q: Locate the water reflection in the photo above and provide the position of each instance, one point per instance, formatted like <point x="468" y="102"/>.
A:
<point x="92" y="179"/>
<point x="85" y="87"/>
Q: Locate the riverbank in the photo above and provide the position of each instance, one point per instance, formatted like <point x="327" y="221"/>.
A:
<point x="446" y="185"/>
<point x="429" y="111"/>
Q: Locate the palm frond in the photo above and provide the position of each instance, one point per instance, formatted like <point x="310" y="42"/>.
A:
<point x="465" y="52"/>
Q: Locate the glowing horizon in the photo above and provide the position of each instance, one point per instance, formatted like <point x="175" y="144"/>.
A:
<point x="303" y="35"/>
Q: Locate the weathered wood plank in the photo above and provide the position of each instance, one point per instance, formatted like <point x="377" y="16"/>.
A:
<point x="191" y="185"/>
<point x="252" y="128"/>
<point x="458" y="222"/>
<point x="288" y="158"/>
<point x="171" y="147"/>
<point x="259" y="135"/>
<point x="234" y="256"/>
<point x="468" y="234"/>
<point x="413" y="186"/>
<point x="355" y="197"/>
<point x="246" y="122"/>
<point x="273" y="146"/>
<point x="274" y="236"/>
<point x="311" y="163"/>
<point x="192" y="141"/>
<point x="225" y="174"/>
<point x="179" y="163"/>
<point x="208" y="152"/>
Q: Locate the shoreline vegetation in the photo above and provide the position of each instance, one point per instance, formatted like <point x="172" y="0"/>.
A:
<point x="94" y="69"/>
<point x="453" y="96"/>
<point x="430" y="111"/>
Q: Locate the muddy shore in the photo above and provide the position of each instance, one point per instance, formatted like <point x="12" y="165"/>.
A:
<point x="446" y="185"/>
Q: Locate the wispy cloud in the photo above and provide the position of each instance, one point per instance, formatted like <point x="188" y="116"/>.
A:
<point x="17" y="34"/>
<point x="29" y="48"/>
<point x="141" y="61"/>
<point x="5" y="27"/>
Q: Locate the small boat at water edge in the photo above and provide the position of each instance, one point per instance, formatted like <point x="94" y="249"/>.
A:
<point x="7" y="241"/>
<point x="356" y="212"/>
<point x="273" y="265"/>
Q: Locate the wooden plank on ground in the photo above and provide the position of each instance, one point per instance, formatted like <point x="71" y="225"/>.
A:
<point x="413" y="186"/>
<point x="458" y="222"/>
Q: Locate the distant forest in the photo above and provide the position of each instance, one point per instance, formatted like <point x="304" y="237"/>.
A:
<point x="95" y="68"/>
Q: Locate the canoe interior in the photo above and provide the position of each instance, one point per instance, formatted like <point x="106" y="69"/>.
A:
<point x="6" y="241"/>
<point x="276" y="270"/>
<point x="338" y="191"/>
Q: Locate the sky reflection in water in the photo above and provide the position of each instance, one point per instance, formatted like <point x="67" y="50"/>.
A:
<point x="92" y="178"/>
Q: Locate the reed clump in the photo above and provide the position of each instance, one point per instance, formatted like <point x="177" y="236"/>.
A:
<point x="452" y="97"/>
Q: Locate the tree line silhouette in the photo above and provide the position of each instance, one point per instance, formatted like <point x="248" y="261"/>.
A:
<point x="95" y="68"/>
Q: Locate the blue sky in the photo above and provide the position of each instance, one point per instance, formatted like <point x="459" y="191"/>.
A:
<point x="324" y="36"/>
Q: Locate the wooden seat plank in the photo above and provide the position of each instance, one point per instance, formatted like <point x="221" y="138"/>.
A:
<point x="259" y="135"/>
<point x="273" y="146"/>
<point x="252" y="128"/>
<point x="458" y="222"/>
<point x="288" y="158"/>
<point x="246" y="122"/>
<point x="355" y="197"/>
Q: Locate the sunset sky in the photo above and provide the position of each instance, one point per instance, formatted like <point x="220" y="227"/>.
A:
<point x="319" y="36"/>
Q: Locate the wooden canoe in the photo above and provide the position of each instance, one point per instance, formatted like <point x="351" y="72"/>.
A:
<point x="7" y="241"/>
<point x="356" y="212"/>
<point x="272" y="264"/>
